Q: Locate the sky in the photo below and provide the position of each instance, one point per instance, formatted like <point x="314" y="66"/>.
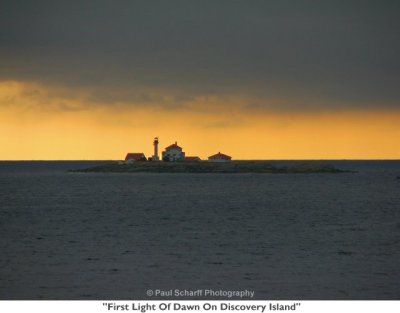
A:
<point x="251" y="79"/>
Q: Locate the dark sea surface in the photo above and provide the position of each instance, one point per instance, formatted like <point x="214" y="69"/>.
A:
<point x="114" y="236"/>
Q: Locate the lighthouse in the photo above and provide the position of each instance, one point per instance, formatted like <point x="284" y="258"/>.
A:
<point x="155" y="143"/>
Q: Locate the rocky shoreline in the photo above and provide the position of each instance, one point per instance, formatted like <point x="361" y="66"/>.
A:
<point x="211" y="167"/>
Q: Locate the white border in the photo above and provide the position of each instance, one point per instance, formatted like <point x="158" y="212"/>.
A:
<point x="100" y="306"/>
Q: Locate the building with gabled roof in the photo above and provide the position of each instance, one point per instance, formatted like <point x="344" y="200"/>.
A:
<point x="219" y="157"/>
<point x="173" y="153"/>
<point x="135" y="157"/>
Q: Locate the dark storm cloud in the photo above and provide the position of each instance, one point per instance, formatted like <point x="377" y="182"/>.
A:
<point x="333" y="53"/>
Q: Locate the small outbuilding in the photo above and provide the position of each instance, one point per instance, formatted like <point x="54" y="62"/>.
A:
<point x="219" y="157"/>
<point x="192" y="159"/>
<point x="135" y="157"/>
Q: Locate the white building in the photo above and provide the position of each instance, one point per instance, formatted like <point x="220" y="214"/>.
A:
<point x="155" y="155"/>
<point x="173" y="153"/>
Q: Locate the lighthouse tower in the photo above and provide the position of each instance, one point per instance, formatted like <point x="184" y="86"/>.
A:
<point x="155" y="143"/>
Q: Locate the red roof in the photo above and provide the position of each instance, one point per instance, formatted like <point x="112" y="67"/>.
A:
<point x="173" y="146"/>
<point x="134" y="156"/>
<point x="220" y="155"/>
<point x="192" y="158"/>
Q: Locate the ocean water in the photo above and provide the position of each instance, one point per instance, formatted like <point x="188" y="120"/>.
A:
<point x="114" y="236"/>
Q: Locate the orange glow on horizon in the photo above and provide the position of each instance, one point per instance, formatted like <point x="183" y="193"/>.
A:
<point x="71" y="129"/>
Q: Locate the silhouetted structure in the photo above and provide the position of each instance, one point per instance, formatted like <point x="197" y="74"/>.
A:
<point x="219" y="157"/>
<point x="135" y="157"/>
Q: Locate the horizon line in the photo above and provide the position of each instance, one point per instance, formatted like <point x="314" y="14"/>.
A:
<point x="103" y="160"/>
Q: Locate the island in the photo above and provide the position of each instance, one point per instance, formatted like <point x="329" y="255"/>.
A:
<point x="211" y="167"/>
